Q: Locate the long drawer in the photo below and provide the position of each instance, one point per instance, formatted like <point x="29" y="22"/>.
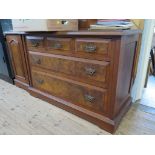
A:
<point x="86" y="96"/>
<point x="87" y="71"/>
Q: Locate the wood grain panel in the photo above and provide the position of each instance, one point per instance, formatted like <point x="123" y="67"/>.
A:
<point x="92" y="48"/>
<point x="17" y="57"/>
<point x="35" y="43"/>
<point x="61" y="46"/>
<point x="89" y="97"/>
<point x="125" y="71"/>
<point x="62" y="24"/>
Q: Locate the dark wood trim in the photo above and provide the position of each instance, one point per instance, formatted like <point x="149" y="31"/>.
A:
<point x="84" y="32"/>
<point x="28" y="76"/>
<point x="21" y="84"/>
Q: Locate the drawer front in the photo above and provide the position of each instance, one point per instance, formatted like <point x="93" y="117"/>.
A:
<point x="62" y="24"/>
<point x="59" y="45"/>
<point x="35" y="43"/>
<point x="92" y="48"/>
<point x="91" y="72"/>
<point x="91" y="98"/>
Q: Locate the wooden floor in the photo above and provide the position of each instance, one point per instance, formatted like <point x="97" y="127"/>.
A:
<point x="148" y="97"/>
<point x="21" y="113"/>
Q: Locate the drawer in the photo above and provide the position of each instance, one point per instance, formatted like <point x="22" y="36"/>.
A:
<point x="86" y="96"/>
<point x="62" y="24"/>
<point x="35" y="43"/>
<point x="92" y="48"/>
<point x="59" y="45"/>
<point x="87" y="71"/>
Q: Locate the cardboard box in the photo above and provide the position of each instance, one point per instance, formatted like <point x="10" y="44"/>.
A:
<point x="45" y="25"/>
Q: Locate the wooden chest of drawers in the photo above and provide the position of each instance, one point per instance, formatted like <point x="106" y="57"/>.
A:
<point x="86" y="73"/>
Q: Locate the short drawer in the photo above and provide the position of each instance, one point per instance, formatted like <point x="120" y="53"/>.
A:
<point x="88" y="97"/>
<point x="35" y="43"/>
<point x="87" y="71"/>
<point x="61" y="46"/>
<point x="92" y="48"/>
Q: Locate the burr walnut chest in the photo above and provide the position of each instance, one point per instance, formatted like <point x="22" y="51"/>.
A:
<point x="87" y="73"/>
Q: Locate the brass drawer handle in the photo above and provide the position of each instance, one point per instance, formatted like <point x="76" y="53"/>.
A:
<point x="40" y="81"/>
<point x="89" y="98"/>
<point x="90" y="71"/>
<point x="64" y="22"/>
<point x="90" y="48"/>
<point x="35" y="44"/>
<point x="57" y="46"/>
<point x="38" y="61"/>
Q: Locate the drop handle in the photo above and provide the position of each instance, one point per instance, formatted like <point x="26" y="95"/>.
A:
<point x="35" y="44"/>
<point x="90" y="48"/>
<point x="89" y="98"/>
<point x="38" y="61"/>
<point x="90" y="71"/>
<point x="57" y="46"/>
<point x="64" y="22"/>
<point x="40" y="81"/>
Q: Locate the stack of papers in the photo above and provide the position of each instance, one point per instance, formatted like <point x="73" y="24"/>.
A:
<point x="112" y="24"/>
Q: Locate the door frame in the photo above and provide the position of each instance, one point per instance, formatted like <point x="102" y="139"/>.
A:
<point x="147" y="36"/>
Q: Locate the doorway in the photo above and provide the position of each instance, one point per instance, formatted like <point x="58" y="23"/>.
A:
<point x="147" y="36"/>
<point x="148" y="95"/>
